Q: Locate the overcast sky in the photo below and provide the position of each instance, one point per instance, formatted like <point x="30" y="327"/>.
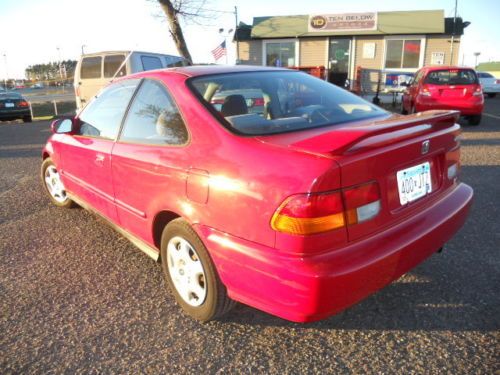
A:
<point x="32" y="30"/>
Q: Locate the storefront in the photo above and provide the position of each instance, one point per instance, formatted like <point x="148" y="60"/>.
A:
<point x="385" y="45"/>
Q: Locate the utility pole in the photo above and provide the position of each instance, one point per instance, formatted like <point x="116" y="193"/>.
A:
<point x="236" y="36"/>
<point x="477" y="55"/>
<point x="83" y="45"/>
<point x="221" y="30"/>
<point x="453" y="33"/>
<point x="5" y="79"/>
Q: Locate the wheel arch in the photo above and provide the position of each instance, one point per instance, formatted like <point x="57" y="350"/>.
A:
<point x="160" y="221"/>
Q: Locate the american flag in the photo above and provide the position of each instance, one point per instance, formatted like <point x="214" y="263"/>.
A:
<point x="219" y="51"/>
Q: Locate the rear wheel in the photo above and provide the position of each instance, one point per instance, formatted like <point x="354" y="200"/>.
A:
<point x="491" y="94"/>
<point x="475" y="120"/>
<point x="53" y="185"/>
<point x="27" y="118"/>
<point x="403" y="110"/>
<point x="191" y="274"/>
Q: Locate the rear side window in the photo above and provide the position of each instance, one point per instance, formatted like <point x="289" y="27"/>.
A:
<point x="91" y="67"/>
<point x="151" y="63"/>
<point x="103" y="116"/>
<point x="153" y="118"/>
<point x="270" y="102"/>
<point x="111" y="65"/>
<point x="451" y="77"/>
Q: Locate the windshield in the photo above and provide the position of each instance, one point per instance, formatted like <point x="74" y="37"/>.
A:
<point x="451" y="77"/>
<point x="260" y="103"/>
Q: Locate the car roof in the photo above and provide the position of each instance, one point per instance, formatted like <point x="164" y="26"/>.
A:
<point x="446" y="67"/>
<point x="202" y="70"/>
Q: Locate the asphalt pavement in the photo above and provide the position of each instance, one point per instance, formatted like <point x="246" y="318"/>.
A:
<point x="78" y="298"/>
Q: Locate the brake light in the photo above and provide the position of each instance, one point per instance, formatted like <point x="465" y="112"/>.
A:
<point x="303" y="214"/>
<point x="478" y="91"/>
<point x="497" y="81"/>
<point x="23" y="103"/>
<point x="362" y="203"/>
<point x="77" y="91"/>
<point x="258" y="101"/>
<point x="425" y="91"/>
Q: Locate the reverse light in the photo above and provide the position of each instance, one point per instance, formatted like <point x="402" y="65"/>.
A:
<point x="303" y="214"/>
<point x="425" y="92"/>
<point x="478" y="92"/>
<point x="362" y="203"/>
<point x="452" y="171"/>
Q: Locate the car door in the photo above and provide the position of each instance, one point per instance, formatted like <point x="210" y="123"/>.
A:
<point x="86" y="153"/>
<point x="149" y="160"/>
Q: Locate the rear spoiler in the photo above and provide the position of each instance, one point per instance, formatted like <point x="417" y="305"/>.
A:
<point x="350" y="138"/>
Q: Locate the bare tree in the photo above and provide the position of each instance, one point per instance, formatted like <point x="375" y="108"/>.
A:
<point x="190" y="10"/>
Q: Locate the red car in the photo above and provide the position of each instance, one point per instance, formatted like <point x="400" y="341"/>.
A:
<point x="445" y="87"/>
<point x="300" y="211"/>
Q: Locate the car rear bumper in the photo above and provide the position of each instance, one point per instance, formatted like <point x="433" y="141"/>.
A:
<point x="310" y="288"/>
<point x="491" y="89"/>
<point x="14" y="113"/>
<point x="472" y="107"/>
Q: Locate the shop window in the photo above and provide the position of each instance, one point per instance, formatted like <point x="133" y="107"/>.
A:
<point x="402" y="53"/>
<point x="280" y="54"/>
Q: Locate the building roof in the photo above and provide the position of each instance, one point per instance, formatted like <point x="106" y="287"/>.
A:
<point x="400" y="22"/>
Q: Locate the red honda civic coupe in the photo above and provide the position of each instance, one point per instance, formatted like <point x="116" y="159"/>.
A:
<point x="300" y="210"/>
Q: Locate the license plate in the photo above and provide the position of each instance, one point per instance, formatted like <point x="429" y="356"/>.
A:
<point x="9" y="105"/>
<point x="414" y="183"/>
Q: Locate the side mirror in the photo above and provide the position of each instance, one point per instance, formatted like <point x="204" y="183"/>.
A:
<point x="405" y="84"/>
<point x="62" y="126"/>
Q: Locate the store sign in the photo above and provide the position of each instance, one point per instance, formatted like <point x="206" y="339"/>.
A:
<point x="343" y="22"/>
<point x="437" y="58"/>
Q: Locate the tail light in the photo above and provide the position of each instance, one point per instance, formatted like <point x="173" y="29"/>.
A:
<point x="478" y="91"/>
<point x="23" y="103"/>
<point x="309" y="213"/>
<point x="497" y="81"/>
<point x="304" y="214"/>
<point x="258" y="101"/>
<point x="362" y="203"/>
<point x="425" y="91"/>
<point x="77" y="91"/>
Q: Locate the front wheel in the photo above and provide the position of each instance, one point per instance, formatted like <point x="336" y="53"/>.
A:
<point x="53" y="185"/>
<point x="475" y="120"/>
<point x="191" y="274"/>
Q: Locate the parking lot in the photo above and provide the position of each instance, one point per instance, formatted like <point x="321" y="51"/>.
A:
<point x="76" y="297"/>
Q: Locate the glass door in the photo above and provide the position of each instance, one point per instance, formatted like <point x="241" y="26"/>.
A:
<point x="339" y="56"/>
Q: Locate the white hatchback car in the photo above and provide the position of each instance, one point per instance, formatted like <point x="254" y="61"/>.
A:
<point x="490" y="84"/>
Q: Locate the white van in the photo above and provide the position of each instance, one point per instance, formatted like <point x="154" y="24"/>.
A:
<point x="94" y="70"/>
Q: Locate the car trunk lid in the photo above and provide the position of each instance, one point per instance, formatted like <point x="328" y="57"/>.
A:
<point x="379" y="150"/>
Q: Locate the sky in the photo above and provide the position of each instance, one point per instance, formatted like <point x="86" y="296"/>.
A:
<point x="40" y="31"/>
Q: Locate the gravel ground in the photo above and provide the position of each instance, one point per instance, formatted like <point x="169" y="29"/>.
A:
<point x="76" y="297"/>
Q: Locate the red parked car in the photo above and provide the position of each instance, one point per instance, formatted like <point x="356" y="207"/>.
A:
<point x="445" y="87"/>
<point x="300" y="211"/>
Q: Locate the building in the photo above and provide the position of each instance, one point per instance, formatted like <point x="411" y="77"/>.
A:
<point x="355" y="47"/>
<point x="490" y="67"/>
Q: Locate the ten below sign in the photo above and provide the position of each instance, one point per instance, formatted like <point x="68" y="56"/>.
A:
<point x="343" y="22"/>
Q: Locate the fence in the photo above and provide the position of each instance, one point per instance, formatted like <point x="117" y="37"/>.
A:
<point x="49" y="109"/>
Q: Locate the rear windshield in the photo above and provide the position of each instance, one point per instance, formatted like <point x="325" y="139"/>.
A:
<point x="261" y="103"/>
<point x="484" y="75"/>
<point x="451" y="77"/>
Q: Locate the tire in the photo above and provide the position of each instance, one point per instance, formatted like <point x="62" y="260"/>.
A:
<point x="491" y="94"/>
<point x="475" y="120"/>
<point x="27" y="119"/>
<point x="198" y="291"/>
<point x="403" y="110"/>
<point x="53" y="185"/>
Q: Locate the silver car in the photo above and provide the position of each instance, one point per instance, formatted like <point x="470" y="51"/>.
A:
<point x="490" y="84"/>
